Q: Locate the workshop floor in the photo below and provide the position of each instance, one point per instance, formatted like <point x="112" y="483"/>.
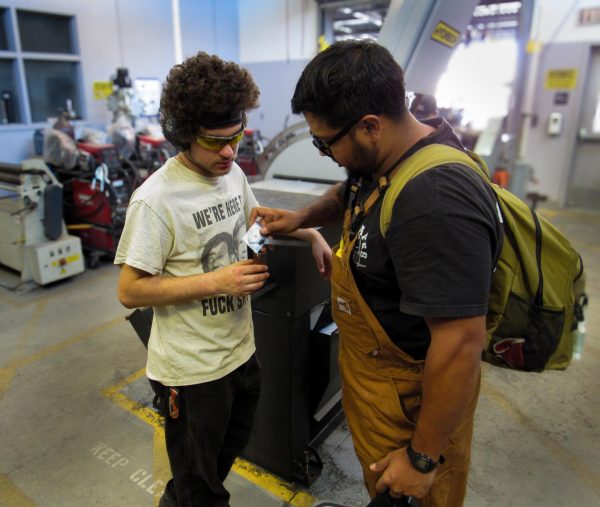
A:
<point x="76" y="428"/>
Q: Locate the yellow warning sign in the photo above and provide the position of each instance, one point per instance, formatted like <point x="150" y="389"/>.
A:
<point x="533" y="46"/>
<point x="561" y="79"/>
<point x="446" y="35"/>
<point x="102" y="89"/>
<point x="323" y="44"/>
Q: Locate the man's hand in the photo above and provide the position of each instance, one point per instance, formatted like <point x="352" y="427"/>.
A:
<point x="322" y="253"/>
<point x="399" y="476"/>
<point x="276" y="221"/>
<point x="240" y="279"/>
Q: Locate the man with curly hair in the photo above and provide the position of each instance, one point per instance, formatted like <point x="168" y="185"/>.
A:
<point x="201" y="352"/>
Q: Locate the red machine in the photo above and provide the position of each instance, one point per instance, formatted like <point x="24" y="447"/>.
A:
<point x="101" y="154"/>
<point x="96" y="198"/>
<point x="154" y="151"/>
<point x="99" y="215"/>
<point x="250" y="147"/>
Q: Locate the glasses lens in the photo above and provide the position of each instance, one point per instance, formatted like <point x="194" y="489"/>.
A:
<point x="211" y="144"/>
<point x="218" y="143"/>
<point x="237" y="138"/>
<point x="321" y="146"/>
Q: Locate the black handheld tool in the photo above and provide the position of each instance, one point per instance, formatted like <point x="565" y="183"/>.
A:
<point x="385" y="500"/>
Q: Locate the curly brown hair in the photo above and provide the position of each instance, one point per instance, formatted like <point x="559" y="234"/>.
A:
<point x="201" y="90"/>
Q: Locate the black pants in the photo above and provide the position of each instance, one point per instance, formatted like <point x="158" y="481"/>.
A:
<point x="213" y="427"/>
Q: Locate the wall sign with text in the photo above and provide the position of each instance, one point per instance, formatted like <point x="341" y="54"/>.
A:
<point x="561" y="79"/>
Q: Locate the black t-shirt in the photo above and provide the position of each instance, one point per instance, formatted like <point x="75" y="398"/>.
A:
<point x="437" y="257"/>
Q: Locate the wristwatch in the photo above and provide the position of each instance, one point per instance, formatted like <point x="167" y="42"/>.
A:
<point x="420" y="461"/>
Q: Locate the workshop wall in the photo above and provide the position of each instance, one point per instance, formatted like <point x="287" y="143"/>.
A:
<point x="277" y="39"/>
<point x="211" y="26"/>
<point x="277" y="82"/>
<point x="277" y="30"/>
<point x="558" y="21"/>
<point x="564" y="43"/>
<point x="551" y="155"/>
<point x="137" y="34"/>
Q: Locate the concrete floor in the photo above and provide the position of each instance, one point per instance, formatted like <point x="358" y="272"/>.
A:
<point x="76" y="428"/>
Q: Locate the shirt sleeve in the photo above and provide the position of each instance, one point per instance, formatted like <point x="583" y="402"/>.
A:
<point x="249" y="199"/>
<point x="146" y="240"/>
<point x="446" y="245"/>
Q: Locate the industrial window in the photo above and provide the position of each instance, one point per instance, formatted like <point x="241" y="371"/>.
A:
<point x="8" y="92"/>
<point x="352" y="19"/>
<point x="40" y="72"/>
<point x="51" y="86"/>
<point x="45" y="33"/>
<point x="3" y="34"/>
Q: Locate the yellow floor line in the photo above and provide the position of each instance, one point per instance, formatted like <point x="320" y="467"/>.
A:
<point x="137" y="409"/>
<point x="161" y="470"/>
<point x="588" y="246"/>
<point x="57" y="347"/>
<point x="12" y="496"/>
<point x="273" y="484"/>
<point x="16" y="300"/>
<point x="566" y="457"/>
<point x="276" y="486"/>
<point x="582" y="215"/>
<point x="8" y="371"/>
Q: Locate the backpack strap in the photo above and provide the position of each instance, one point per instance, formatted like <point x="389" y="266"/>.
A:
<point x="432" y="155"/>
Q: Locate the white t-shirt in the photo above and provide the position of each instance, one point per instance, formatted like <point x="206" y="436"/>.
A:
<point x="181" y="223"/>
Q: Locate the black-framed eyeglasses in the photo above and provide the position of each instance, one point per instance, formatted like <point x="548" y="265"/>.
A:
<point x="325" y="147"/>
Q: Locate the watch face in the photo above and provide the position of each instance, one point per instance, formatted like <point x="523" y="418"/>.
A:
<point x="424" y="463"/>
<point x="420" y="461"/>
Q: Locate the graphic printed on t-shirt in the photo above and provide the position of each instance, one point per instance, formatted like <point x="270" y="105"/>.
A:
<point x="359" y="254"/>
<point x="222" y="249"/>
<point x="218" y="212"/>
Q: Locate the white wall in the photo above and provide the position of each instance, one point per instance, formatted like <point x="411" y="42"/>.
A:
<point x="136" y="34"/>
<point x="277" y="30"/>
<point x="211" y="26"/>
<point x="559" y="21"/>
<point x="552" y="156"/>
<point x="276" y="82"/>
<point x="277" y="40"/>
<point x="564" y="44"/>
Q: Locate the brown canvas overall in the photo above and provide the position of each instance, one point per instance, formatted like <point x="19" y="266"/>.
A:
<point x="382" y="385"/>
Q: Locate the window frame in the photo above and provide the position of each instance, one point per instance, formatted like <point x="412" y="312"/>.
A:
<point x="4" y="14"/>
<point x="15" y="53"/>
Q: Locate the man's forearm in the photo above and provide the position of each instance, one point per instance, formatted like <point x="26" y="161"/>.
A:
<point x="308" y="235"/>
<point x="450" y="384"/>
<point x="327" y="209"/>
<point x="163" y="290"/>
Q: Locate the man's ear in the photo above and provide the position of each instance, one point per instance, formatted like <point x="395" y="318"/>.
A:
<point x="371" y="125"/>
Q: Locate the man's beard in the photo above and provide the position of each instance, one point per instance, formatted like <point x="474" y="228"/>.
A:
<point x="364" y="161"/>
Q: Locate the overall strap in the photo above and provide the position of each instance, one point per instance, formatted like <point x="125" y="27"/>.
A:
<point x="355" y="210"/>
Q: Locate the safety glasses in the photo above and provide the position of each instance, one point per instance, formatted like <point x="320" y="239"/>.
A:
<point x="217" y="143"/>
<point x="325" y="147"/>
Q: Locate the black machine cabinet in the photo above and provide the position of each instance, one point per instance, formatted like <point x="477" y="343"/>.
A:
<point x="300" y="398"/>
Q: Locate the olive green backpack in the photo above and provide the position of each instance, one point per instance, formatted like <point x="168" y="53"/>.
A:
<point x="537" y="282"/>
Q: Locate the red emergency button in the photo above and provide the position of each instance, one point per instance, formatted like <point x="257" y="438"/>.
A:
<point x="62" y="261"/>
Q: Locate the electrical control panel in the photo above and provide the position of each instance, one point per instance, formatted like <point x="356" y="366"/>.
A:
<point x="54" y="260"/>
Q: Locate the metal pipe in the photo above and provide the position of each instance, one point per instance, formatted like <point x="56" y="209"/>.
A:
<point x="177" y="31"/>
